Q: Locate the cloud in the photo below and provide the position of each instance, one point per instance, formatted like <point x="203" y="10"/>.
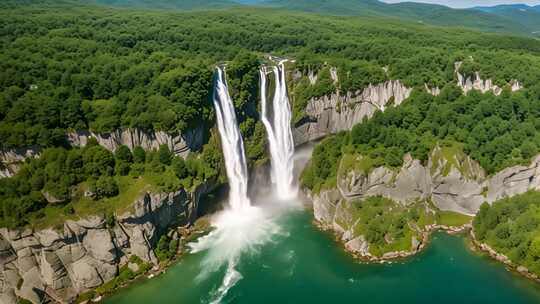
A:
<point x="469" y="3"/>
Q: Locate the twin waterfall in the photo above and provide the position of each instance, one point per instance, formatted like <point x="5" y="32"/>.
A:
<point x="242" y="227"/>
<point x="276" y="118"/>
<point x="232" y="144"/>
<point x="278" y="127"/>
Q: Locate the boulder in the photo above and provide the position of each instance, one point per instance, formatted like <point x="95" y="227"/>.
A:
<point x="99" y="245"/>
<point x="358" y="245"/>
<point x="85" y="275"/>
<point x="53" y="272"/>
<point x="32" y="287"/>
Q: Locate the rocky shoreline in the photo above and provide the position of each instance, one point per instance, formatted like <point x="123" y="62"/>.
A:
<point x="60" y="264"/>
<point x="492" y="253"/>
<point x="187" y="235"/>
<point x="388" y="257"/>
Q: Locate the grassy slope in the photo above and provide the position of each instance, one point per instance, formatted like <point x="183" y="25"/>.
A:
<point x="130" y="190"/>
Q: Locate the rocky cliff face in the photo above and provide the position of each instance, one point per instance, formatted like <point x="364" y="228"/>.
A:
<point x="9" y="159"/>
<point x="458" y="184"/>
<point x="82" y="254"/>
<point x="331" y="114"/>
<point x="181" y="144"/>
<point x="455" y="183"/>
<point x="476" y="82"/>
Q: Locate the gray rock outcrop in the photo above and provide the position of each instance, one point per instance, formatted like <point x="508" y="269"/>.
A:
<point x="60" y="263"/>
<point x="11" y="158"/>
<point x="457" y="184"/>
<point x="475" y="82"/>
<point x="180" y="144"/>
<point x="330" y="114"/>
<point x="435" y="91"/>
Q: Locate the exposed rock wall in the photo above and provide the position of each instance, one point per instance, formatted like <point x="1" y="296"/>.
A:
<point x="331" y="114"/>
<point x="180" y="144"/>
<point x="459" y="185"/>
<point x="476" y="82"/>
<point x="9" y="159"/>
<point x="435" y="91"/>
<point x="83" y="254"/>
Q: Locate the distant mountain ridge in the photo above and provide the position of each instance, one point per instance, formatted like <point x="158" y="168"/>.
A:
<point x="419" y="12"/>
<point x="171" y="4"/>
<point x="512" y="18"/>
<point x="527" y="16"/>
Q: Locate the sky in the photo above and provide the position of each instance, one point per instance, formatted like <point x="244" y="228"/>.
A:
<point x="469" y="3"/>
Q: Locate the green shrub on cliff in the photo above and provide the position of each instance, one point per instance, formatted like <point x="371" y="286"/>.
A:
<point x="389" y="226"/>
<point x="322" y="170"/>
<point x="166" y="248"/>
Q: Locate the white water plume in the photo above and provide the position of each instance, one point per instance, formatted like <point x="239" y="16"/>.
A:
<point x="278" y="128"/>
<point x="235" y="234"/>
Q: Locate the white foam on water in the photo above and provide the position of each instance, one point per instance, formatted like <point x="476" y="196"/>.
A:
<point x="235" y="234"/>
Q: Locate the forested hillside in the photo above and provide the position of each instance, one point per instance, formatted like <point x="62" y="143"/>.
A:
<point x="528" y="16"/>
<point x="170" y="4"/>
<point x="416" y="12"/>
<point x="67" y="69"/>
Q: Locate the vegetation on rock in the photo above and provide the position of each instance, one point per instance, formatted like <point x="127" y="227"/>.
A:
<point x="65" y="183"/>
<point x="497" y="131"/>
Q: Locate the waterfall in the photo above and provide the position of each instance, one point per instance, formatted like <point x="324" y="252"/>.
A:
<point x="232" y="144"/>
<point x="278" y="128"/>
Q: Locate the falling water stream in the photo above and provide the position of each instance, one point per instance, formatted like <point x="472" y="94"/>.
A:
<point x="241" y="227"/>
<point x="277" y="121"/>
<point x="232" y="144"/>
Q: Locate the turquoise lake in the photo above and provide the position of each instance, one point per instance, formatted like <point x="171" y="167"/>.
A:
<point x="302" y="264"/>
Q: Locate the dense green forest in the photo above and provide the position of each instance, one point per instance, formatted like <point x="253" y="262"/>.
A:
<point x="512" y="227"/>
<point x="507" y="19"/>
<point x="101" y="69"/>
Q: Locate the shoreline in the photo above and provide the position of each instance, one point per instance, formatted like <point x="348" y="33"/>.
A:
<point x="393" y="256"/>
<point x="473" y="244"/>
<point x="501" y="258"/>
<point x="189" y="235"/>
<point x="387" y="258"/>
